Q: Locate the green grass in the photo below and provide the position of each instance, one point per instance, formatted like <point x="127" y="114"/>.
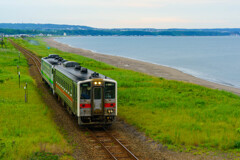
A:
<point x="177" y="114"/>
<point x="25" y="128"/>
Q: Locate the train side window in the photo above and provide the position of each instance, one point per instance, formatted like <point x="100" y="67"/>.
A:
<point x="85" y="90"/>
<point x="109" y="90"/>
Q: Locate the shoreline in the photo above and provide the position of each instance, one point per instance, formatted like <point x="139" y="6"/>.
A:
<point x="141" y="66"/>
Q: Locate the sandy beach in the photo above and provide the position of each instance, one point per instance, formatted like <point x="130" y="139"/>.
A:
<point x="139" y="66"/>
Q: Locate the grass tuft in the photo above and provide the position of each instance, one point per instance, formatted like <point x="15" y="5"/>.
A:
<point x="43" y="156"/>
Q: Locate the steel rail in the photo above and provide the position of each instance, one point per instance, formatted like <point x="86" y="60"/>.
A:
<point x="103" y="146"/>
<point x="130" y="154"/>
<point x="123" y="147"/>
<point x="23" y="50"/>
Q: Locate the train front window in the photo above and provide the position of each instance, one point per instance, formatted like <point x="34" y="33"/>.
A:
<point x="97" y="93"/>
<point x="85" y="90"/>
<point x="109" y="90"/>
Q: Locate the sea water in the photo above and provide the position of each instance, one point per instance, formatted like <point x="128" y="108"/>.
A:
<point x="215" y="59"/>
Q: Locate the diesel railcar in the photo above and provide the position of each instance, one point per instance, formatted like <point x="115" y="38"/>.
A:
<point x="90" y="96"/>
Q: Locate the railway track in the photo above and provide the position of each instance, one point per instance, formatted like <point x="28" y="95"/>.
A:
<point x="109" y="143"/>
<point x="28" y="53"/>
<point x="113" y="147"/>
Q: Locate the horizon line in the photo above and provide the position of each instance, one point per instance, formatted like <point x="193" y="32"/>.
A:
<point x="124" y="27"/>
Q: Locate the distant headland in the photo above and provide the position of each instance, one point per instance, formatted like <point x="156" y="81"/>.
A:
<point x="73" y="30"/>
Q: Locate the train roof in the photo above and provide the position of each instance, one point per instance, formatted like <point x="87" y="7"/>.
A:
<point x="73" y="70"/>
<point x="51" y="61"/>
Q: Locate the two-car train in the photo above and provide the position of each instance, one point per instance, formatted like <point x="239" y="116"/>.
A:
<point x="88" y="95"/>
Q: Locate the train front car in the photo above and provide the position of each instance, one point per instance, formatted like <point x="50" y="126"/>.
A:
<point x="97" y="101"/>
<point x="90" y="96"/>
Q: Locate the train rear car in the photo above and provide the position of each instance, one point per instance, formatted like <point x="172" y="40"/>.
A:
<point x="47" y="65"/>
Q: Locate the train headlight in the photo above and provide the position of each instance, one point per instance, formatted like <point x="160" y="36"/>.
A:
<point x="110" y="111"/>
<point x="97" y="83"/>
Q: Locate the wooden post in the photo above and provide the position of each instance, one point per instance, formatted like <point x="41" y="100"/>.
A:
<point x="17" y="69"/>
<point x="19" y="78"/>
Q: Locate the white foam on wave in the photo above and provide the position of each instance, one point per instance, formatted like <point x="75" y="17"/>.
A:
<point x="206" y="77"/>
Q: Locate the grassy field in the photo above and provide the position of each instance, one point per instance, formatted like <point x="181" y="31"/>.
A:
<point x="26" y="129"/>
<point x="179" y="115"/>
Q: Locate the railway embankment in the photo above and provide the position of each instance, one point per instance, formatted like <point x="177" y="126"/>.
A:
<point x="182" y="116"/>
<point x="27" y="130"/>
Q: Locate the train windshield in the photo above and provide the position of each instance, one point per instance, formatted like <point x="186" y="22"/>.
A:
<point x="109" y="90"/>
<point x="97" y="93"/>
<point x="85" y="90"/>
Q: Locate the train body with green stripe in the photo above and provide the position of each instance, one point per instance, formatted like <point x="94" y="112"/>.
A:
<point x="88" y="95"/>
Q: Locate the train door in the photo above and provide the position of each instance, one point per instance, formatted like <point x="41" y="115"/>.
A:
<point x="97" y="101"/>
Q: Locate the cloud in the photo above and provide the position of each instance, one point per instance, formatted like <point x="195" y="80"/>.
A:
<point x="124" y="13"/>
<point x="85" y="3"/>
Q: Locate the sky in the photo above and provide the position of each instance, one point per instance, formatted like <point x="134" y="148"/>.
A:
<point x="124" y="13"/>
